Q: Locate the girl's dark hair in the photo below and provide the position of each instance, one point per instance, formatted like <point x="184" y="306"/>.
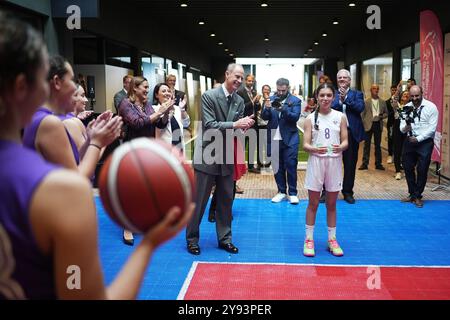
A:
<point x="58" y="67"/>
<point x="156" y="90"/>
<point x="325" y="85"/>
<point x="21" y="51"/>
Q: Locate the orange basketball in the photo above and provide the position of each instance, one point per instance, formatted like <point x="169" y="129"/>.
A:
<point x="141" y="180"/>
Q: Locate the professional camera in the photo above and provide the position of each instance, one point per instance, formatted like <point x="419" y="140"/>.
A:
<point x="276" y="103"/>
<point x="408" y="113"/>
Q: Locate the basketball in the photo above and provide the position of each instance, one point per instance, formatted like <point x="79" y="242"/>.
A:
<point x="141" y="180"/>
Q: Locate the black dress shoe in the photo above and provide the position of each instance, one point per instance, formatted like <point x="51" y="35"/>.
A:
<point x="193" y="248"/>
<point x="380" y="167"/>
<point x="254" y="170"/>
<point x="229" y="247"/>
<point x="363" y="167"/>
<point x="211" y="217"/>
<point x="349" y="198"/>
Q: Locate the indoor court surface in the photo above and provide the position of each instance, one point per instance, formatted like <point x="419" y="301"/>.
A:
<point x="408" y="244"/>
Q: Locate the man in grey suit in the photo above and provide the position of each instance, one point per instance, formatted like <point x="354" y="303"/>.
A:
<point x="222" y="112"/>
<point x="122" y="94"/>
<point x="374" y="112"/>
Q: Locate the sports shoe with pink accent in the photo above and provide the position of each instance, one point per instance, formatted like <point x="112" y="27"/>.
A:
<point x="308" y="248"/>
<point x="334" y="248"/>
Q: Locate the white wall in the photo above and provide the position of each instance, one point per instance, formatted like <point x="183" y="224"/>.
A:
<point x="108" y="81"/>
<point x="114" y="83"/>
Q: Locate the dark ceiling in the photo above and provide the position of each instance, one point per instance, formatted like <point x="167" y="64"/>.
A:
<point x="292" y="26"/>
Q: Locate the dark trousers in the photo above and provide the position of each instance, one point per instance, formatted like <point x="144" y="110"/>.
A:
<point x="204" y="183"/>
<point x="251" y="148"/>
<point x="350" y="158"/>
<point x="213" y="205"/>
<point x="390" y="139"/>
<point x="417" y="157"/>
<point x="398" y="139"/>
<point x="375" y="131"/>
<point x="287" y="166"/>
<point x="262" y="146"/>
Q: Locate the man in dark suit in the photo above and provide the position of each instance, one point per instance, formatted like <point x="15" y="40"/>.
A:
<point x="178" y="95"/>
<point x="351" y="103"/>
<point x="251" y="107"/>
<point x="122" y="94"/>
<point x="282" y="110"/>
<point x="222" y="111"/>
<point x="390" y="124"/>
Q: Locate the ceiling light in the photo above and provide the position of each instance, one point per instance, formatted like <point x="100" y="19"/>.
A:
<point x="264" y="4"/>
<point x="231" y="54"/>
<point x="324" y="34"/>
<point x="310" y="49"/>
<point x="305" y="55"/>
<point x="352" y="4"/>
<point x="335" y="22"/>
<point x="183" y="5"/>
<point x="212" y="34"/>
<point x="316" y="43"/>
<point x="226" y="49"/>
<point x="220" y="43"/>
<point x="201" y="23"/>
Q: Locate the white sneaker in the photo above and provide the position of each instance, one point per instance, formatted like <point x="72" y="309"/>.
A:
<point x="279" y="197"/>
<point x="293" y="199"/>
<point x="389" y="159"/>
<point x="398" y="176"/>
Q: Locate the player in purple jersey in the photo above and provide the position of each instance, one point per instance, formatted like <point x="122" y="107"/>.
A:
<point x="48" y="224"/>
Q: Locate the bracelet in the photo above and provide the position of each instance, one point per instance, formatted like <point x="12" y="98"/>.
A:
<point x="94" y="145"/>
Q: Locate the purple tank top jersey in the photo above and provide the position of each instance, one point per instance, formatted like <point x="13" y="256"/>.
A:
<point x="26" y="272"/>
<point x="29" y="135"/>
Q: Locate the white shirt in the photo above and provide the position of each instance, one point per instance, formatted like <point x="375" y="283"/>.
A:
<point x="277" y="135"/>
<point x="166" y="133"/>
<point x="375" y="108"/>
<point x="329" y="132"/>
<point x="425" y="127"/>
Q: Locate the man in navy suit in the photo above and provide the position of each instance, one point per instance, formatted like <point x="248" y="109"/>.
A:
<point x="351" y="103"/>
<point x="283" y="111"/>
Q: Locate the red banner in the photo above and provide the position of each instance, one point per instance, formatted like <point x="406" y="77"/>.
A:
<point x="432" y="62"/>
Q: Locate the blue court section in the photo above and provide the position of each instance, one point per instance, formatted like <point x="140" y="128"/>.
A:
<point x="371" y="232"/>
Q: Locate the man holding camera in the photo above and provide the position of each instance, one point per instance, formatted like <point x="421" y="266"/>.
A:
<point x="419" y="120"/>
<point x="283" y="111"/>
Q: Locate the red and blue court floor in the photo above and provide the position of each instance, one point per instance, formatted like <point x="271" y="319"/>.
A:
<point x="393" y="251"/>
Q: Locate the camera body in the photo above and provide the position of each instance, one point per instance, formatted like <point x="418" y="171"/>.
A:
<point x="276" y="103"/>
<point x="408" y="113"/>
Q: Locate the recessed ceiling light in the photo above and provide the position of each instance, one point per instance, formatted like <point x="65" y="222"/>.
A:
<point x="264" y="4"/>
<point x="231" y="54"/>
<point x="305" y="55"/>
<point x="212" y="34"/>
<point x="324" y="34"/>
<point x="335" y="22"/>
<point x="183" y="5"/>
<point x="352" y="4"/>
<point x="220" y="43"/>
<point x="310" y="49"/>
<point x="226" y="49"/>
<point x="316" y="43"/>
<point x="266" y="38"/>
<point x="201" y="23"/>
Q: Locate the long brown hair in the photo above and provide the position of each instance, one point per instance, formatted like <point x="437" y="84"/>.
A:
<point x="135" y="82"/>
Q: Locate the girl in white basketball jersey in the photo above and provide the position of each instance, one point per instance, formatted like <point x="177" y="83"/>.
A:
<point x="324" y="139"/>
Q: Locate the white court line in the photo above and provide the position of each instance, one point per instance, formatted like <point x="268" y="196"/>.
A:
<point x="187" y="282"/>
<point x="195" y="264"/>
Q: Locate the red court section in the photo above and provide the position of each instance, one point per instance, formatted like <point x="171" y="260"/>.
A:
<point x="302" y="282"/>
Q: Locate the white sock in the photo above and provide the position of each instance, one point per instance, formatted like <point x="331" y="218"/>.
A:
<point x="309" y="232"/>
<point x="331" y="233"/>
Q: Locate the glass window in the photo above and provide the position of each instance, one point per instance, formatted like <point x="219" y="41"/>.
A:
<point x="416" y="66"/>
<point x="353" y="75"/>
<point x="377" y="70"/>
<point x="406" y="63"/>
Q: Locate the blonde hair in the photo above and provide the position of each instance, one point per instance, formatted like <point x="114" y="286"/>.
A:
<point x="135" y="82"/>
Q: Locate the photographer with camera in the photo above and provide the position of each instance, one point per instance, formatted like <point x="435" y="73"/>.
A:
<point x="282" y="110"/>
<point x="419" y="121"/>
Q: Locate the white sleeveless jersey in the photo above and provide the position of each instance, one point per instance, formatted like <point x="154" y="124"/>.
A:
<point x="329" y="132"/>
